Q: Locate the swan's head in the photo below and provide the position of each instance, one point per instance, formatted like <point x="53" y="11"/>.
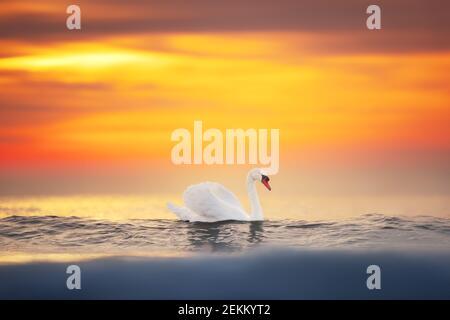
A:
<point x="259" y="175"/>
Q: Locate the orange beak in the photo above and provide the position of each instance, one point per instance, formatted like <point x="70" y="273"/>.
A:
<point x="265" y="181"/>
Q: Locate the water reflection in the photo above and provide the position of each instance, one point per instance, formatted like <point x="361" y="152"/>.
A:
<point x="224" y="236"/>
<point x="256" y="232"/>
<point x="51" y="234"/>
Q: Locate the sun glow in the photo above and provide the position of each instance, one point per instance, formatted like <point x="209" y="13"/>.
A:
<point x="84" y="57"/>
<point x="98" y="101"/>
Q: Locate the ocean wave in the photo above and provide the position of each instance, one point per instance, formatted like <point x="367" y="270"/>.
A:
<point x="375" y="231"/>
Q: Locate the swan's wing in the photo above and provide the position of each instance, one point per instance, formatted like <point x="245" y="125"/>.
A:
<point x="182" y="213"/>
<point x="226" y="195"/>
<point x="212" y="201"/>
<point x="185" y="214"/>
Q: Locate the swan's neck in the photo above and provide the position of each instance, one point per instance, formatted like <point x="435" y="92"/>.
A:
<point x="256" y="212"/>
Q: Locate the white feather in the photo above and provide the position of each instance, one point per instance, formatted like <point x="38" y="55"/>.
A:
<point x="210" y="201"/>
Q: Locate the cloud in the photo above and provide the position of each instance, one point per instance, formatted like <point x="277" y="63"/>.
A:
<point x="401" y="20"/>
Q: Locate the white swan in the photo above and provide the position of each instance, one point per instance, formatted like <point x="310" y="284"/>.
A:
<point x="210" y="201"/>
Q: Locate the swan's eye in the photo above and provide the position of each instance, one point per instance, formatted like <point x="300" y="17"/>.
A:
<point x="264" y="178"/>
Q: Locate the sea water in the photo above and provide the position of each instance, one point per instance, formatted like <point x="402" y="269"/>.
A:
<point x="122" y="256"/>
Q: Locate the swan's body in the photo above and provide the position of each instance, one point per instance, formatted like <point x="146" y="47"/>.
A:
<point x="210" y="201"/>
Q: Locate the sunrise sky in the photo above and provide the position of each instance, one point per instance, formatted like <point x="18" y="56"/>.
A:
<point x="91" y="111"/>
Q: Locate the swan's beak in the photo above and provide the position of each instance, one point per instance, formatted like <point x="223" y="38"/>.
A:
<point x="265" y="181"/>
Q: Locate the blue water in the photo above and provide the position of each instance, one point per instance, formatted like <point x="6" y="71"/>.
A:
<point x="285" y="274"/>
<point x="281" y="259"/>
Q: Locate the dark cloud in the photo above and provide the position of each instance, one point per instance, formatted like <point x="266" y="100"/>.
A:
<point x="402" y="18"/>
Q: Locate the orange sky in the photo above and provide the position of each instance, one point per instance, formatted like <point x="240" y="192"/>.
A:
<point x="108" y="96"/>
